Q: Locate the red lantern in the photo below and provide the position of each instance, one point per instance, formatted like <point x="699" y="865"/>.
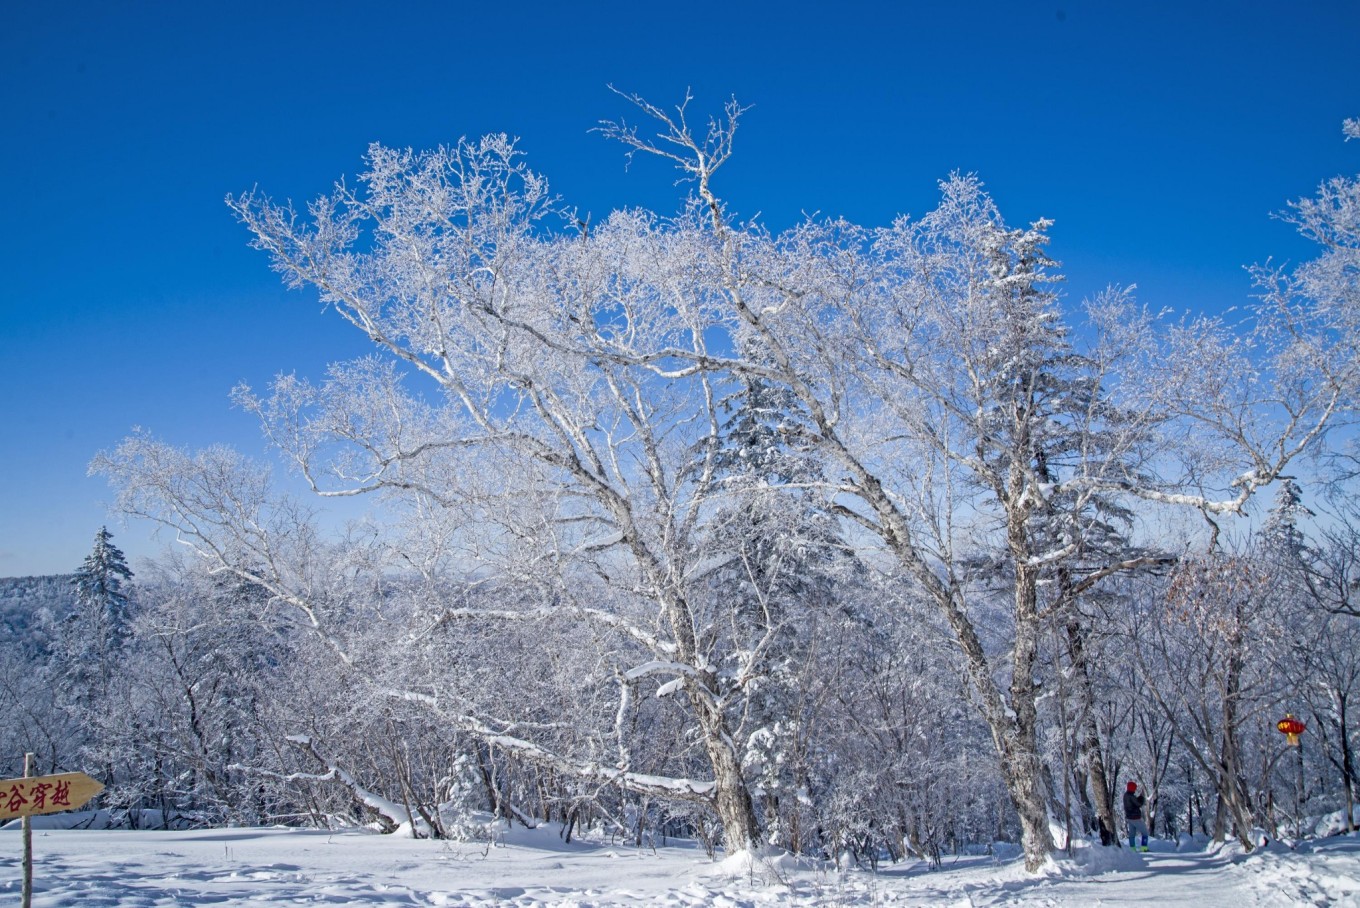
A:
<point x="1291" y="728"/>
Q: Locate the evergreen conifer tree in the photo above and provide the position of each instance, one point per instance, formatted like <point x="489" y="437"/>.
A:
<point x="787" y="580"/>
<point x="99" y="626"/>
<point x="1284" y="541"/>
<point x="100" y="595"/>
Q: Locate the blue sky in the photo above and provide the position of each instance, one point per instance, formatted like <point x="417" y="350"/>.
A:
<point x="1159" y="137"/>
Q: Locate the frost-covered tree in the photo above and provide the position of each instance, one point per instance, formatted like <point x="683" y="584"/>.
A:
<point x="941" y="405"/>
<point x="923" y="356"/>
<point x="87" y="668"/>
<point x="1325" y="669"/>
<point x="89" y="641"/>
<point x="32" y="610"/>
<point x="207" y="670"/>
<point x="37" y="721"/>
<point x="913" y="354"/>
<point x="1314" y="576"/>
<point x="99" y="626"/>
<point x="1330" y="569"/>
<point x="1199" y="648"/>
<point x="796" y="596"/>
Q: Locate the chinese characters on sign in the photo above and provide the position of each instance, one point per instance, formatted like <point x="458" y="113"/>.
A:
<point x="46" y="794"/>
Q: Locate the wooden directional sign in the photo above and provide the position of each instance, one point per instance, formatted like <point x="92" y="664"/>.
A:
<point x="46" y="794"/>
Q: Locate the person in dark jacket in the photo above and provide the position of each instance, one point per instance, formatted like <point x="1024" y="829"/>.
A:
<point x="1133" y="815"/>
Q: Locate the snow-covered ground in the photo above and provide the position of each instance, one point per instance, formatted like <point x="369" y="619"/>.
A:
<point x="230" y="867"/>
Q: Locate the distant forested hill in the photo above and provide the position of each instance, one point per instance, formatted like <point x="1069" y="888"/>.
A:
<point x="27" y="607"/>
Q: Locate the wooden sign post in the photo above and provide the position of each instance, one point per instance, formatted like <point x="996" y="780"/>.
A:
<point x="30" y="796"/>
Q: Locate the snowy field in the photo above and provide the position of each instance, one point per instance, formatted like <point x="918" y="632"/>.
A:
<point x="230" y="867"/>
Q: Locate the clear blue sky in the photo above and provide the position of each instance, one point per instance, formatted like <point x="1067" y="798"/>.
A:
<point x="1159" y="136"/>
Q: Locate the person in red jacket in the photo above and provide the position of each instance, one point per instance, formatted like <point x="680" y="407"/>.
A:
<point x="1133" y="815"/>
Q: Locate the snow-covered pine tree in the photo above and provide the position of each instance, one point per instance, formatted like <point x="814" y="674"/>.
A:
<point x="99" y="585"/>
<point x="87" y="671"/>
<point x="98" y="628"/>
<point x="1084" y="434"/>
<point x="1282" y="539"/>
<point x="788" y="580"/>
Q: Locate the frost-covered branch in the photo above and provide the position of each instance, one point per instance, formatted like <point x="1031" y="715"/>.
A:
<point x="395" y="813"/>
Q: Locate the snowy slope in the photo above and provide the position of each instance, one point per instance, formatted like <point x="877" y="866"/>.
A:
<point x="239" y="867"/>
